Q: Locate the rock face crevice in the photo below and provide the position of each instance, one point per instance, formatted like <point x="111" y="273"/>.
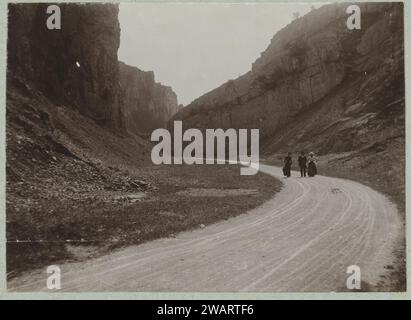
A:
<point x="318" y="84"/>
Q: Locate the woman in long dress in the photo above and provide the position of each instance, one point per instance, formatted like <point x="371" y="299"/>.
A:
<point x="287" y="165"/>
<point x="312" y="166"/>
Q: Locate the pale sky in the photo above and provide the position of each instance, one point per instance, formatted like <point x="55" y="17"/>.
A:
<point x="195" y="48"/>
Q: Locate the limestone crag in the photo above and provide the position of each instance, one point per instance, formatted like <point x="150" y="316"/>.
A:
<point x="317" y="84"/>
<point x="76" y="66"/>
<point x="147" y="104"/>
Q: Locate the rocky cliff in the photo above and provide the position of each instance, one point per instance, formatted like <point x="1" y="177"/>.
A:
<point x="75" y="66"/>
<point x="147" y="104"/>
<point x="318" y="85"/>
<point x="67" y="144"/>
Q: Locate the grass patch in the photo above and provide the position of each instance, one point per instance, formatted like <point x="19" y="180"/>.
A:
<point x="105" y="224"/>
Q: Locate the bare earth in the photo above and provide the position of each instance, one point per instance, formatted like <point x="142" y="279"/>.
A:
<point x="301" y="240"/>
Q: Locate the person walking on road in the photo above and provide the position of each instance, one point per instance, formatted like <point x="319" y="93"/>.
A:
<point x="312" y="166"/>
<point x="302" y="162"/>
<point x="287" y="165"/>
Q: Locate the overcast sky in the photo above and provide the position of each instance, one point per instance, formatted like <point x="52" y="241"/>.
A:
<point x="195" y="48"/>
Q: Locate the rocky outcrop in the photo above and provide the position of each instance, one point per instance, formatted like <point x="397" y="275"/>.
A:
<point x="147" y="104"/>
<point x="76" y="66"/>
<point x="318" y="84"/>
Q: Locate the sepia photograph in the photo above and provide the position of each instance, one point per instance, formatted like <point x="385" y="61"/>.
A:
<point x="205" y="147"/>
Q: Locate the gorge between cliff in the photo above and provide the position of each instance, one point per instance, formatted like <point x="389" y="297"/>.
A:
<point x="81" y="183"/>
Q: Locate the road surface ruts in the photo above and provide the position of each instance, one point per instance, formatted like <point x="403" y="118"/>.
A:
<point x="301" y="240"/>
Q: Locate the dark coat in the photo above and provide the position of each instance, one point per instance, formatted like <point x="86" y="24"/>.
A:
<point x="287" y="166"/>
<point x="288" y="161"/>
<point x="302" y="161"/>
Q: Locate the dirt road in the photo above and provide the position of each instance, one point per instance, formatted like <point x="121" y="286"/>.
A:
<point x="301" y="240"/>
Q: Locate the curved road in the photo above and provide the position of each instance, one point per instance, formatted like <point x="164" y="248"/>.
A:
<point x="301" y="240"/>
